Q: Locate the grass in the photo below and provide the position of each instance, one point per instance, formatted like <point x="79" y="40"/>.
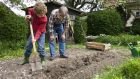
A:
<point x="75" y="46"/>
<point x="120" y="47"/>
<point x="15" y="49"/>
<point x="8" y="53"/>
<point x="10" y="50"/>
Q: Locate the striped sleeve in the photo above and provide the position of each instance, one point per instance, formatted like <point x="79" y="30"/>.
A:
<point x="67" y="20"/>
<point x="50" y="24"/>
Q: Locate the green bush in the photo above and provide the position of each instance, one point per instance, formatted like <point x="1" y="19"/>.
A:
<point x="128" y="70"/>
<point x="136" y="27"/>
<point x="114" y="73"/>
<point x="131" y="70"/>
<point x="80" y="29"/>
<point x="121" y="39"/>
<point x="13" y="29"/>
<point x="104" y="22"/>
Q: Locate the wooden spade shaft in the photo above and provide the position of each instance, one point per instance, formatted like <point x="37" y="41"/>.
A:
<point x="32" y="34"/>
<point x="35" y="65"/>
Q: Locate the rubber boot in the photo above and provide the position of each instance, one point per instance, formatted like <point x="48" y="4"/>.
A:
<point x="25" y="61"/>
<point x="43" y="60"/>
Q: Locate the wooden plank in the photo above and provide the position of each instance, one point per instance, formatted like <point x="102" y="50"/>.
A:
<point x="97" y="45"/>
<point x="94" y="43"/>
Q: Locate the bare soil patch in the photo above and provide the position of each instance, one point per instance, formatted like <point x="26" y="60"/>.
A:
<point x="81" y="64"/>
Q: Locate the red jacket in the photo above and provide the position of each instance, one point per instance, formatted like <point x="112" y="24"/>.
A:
<point x="38" y="23"/>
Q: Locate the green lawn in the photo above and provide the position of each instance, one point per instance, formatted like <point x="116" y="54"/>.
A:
<point x="6" y="53"/>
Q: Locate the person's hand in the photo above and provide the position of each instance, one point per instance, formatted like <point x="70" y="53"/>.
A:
<point x="28" y="17"/>
<point x="33" y="40"/>
<point x="63" y="36"/>
<point x="51" y="37"/>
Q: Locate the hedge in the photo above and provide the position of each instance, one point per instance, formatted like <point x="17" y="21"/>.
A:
<point x="104" y="22"/>
<point x="80" y="30"/>
<point x="136" y="27"/>
<point x="13" y="28"/>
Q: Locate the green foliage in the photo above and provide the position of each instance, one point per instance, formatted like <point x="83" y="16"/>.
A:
<point x="136" y="27"/>
<point x="80" y="29"/>
<point x="10" y="49"/>
<point x="113" y="73"/>
<point x="15" y="1"/>
<point x="13" y="29"/>
<point x="131" y="70"/>
<point x="121" y="39"/>
<point x="128" y="70"/>
<point x="104" y="22"/>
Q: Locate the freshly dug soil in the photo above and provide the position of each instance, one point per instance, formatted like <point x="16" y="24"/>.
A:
<point x="81" y="64"/>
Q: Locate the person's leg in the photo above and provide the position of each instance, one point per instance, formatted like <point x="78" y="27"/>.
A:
<point x="61" y="41"/>
<point x="41" y="47"/>
<point x="28" y="47"/>
<point x="52" y="47"/>
<point x="28" y="50"/>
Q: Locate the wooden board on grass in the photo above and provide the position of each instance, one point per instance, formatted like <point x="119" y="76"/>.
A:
<point x="98" y="46"/>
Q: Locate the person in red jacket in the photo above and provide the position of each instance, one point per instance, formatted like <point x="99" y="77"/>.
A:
<point x="38" y="18"/>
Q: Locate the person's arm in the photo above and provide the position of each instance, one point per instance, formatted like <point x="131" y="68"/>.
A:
<point x="50" y="24"/>
<point x="30" y="13"/>
<point x="66" y="25"/>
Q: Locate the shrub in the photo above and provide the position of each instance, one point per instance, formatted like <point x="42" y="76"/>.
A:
<point x="80" y="29"/>
<point x="136" y="27"/>
<point x="131" y="70"/>
<point x="113" y="73"/>
<point x="13" y="29"/>
<point x="128" y="70"/>
<point x="104" y="22"/>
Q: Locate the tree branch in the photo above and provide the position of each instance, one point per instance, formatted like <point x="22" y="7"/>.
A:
<point x="82" y="4"/>
<point x="86" y="2"/>
<point x="93" y="7"/>
<point x="77" y="3"/>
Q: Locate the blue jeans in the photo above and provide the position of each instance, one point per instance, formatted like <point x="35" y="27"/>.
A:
<point x="41" y="44"/>
<point x="58" y="30"/>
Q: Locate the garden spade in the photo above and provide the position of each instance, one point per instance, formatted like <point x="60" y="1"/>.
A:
<point x="34" y="65"/>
